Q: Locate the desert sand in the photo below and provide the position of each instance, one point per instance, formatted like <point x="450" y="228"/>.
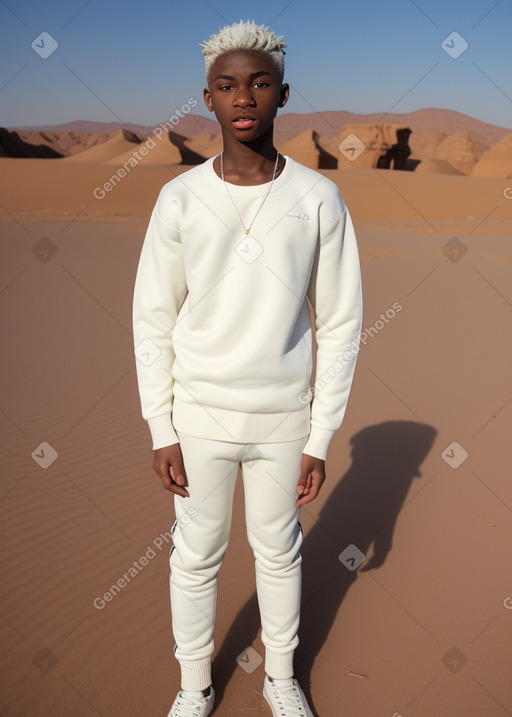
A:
<point x="418" y="475"/>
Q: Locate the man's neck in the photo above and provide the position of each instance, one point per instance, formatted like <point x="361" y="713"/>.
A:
<point x="249" y="163"/>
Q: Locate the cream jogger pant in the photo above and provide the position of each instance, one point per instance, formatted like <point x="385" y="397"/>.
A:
<point x="270" y="473"/>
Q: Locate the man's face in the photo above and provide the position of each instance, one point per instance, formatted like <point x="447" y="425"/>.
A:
<point x="245" y="91"/>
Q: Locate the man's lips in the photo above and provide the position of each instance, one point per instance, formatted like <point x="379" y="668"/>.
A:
<point x="243" y="122"/>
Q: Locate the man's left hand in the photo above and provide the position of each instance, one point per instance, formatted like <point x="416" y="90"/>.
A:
<point x="312" y="476"/>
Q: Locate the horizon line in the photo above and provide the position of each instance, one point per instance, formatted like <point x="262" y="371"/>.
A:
<point x="212" y="119"/>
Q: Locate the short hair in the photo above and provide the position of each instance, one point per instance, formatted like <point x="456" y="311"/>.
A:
<point x="244" y="36"/>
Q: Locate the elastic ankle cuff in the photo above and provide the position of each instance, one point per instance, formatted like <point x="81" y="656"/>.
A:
<point x="279" y="666"/>
<point x="196" y="675"/>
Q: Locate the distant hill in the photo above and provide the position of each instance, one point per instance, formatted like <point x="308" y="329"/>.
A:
<point x="190" y="125"/>
<point x="290" y="124"/>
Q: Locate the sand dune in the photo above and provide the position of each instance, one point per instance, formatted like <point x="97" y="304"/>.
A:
<point x="58" y="143"/>
<point x="307" y="150"/>
<point x="119" y="142"/>
<point x="327" y="124"/>
<point x="13" y="145"/>
<point x="497" y="161"/>
<point x="424" y="145"/>
<point x="187" y="154"/>
<point x="89" y="140"/>
<point x="462" y="150"/>
<point x="362" y="144"/>
<point x="66" y="143"/>
<point x="205" y="144"/>
<point x="154" y="150"/>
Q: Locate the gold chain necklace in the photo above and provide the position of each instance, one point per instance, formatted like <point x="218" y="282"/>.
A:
<point x="247" y="229"/>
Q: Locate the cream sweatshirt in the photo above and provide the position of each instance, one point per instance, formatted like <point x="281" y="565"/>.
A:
<point x="222" y="330"/>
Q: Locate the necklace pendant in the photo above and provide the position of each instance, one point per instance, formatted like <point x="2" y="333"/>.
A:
<point x="246" y="231"/>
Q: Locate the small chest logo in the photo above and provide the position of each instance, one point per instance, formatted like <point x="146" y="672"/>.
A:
<point x="302" y="216"/>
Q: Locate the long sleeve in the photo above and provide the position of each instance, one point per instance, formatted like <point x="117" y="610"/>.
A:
<point x="160" y="289"/>
<point x="335" y="293"/>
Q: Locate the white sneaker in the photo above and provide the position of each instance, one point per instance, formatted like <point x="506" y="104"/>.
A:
<point x="285" y="697"/>
<point x="189" y="704"/>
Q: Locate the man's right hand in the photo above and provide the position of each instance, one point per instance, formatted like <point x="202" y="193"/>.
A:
<point x="168" y="464"/>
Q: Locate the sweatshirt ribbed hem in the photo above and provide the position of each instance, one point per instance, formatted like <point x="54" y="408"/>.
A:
<point x="162" y="431"/>
<point x="196" y="675"/>
<point x="279" y="667"/>
<point x="219" y="424"/>
<point x="318" y="443"/>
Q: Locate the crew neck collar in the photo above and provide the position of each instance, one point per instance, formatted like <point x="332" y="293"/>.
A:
<point x="251" y="190"/>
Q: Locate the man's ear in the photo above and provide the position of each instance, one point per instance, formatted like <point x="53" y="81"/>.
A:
<point x="284" y="94"/>
<point x="207" y="96"/>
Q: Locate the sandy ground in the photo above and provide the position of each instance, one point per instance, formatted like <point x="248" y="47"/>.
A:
<point x="418" y="476"/>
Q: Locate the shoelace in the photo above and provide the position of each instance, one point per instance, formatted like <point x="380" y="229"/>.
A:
<point x="188" y="706"/>
<point x="288" y="699"/>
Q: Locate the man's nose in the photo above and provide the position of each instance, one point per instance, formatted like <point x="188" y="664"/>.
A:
<point x="244" y="97"/>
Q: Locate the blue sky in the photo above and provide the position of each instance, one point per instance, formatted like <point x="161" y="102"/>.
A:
<point x="137" y="61"/>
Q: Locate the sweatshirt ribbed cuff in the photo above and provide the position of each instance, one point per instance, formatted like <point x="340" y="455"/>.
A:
<point x="318" y="443"/>
<point x="162" y="431"/>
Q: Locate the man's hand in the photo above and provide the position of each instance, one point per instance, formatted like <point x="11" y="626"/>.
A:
<point x="168" y="464"/>
<point x="312" y="476"/>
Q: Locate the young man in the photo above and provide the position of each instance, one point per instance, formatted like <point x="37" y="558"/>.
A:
<point x="223" y="340"/>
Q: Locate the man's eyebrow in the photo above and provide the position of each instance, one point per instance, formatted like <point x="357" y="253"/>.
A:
<point x="252" y="76"/>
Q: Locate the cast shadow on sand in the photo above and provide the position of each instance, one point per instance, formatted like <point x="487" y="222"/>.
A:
<point x="361" y="510"/>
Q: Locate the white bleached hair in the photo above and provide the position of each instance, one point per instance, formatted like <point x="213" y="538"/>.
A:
<point x="244" y="36"/>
